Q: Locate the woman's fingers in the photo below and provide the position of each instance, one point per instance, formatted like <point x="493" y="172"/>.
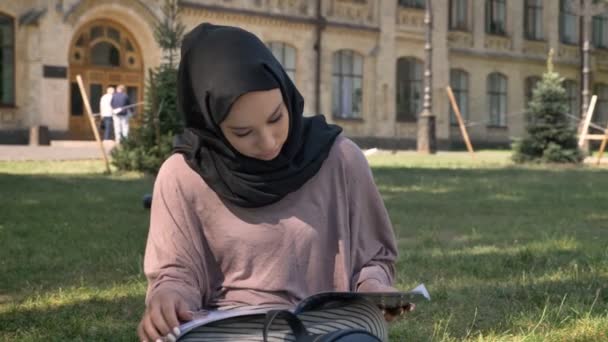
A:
<point x="169" y="313"/>
<point x="183" y="311"/>
<point x="140" y="332"/>
<point x="159" y="315"/>
<point x="409" y="307"/>
<point x="161" y="320"/>
<point x="390" y="314"/>
<point x="150" y="330"/>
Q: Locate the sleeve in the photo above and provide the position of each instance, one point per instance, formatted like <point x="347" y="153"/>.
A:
<point x="373" y="244"/>
<point x="176" y="256"/>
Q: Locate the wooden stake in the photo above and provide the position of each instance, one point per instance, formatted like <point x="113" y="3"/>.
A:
<point x="602" y="146"/>
<point x="595" y="136"/>
<point x="87" y="105"/>
<point x="463" y="129"/>
<point x="585" y="129"/>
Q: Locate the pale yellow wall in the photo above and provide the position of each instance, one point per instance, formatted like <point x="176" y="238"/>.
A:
<point x="380" y="31"/>
<point x="45" y="101"/>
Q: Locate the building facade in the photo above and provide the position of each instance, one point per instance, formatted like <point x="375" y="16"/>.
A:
<point x="359" y="62"/>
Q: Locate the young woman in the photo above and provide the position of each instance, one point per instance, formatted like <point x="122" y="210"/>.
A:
<point x="258" y="205"/>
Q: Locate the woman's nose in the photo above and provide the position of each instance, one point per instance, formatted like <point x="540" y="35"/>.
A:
<point x="267" y="142"/>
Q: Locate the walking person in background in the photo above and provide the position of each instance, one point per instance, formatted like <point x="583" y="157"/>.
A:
<point x="105" y="108"/>
<point x="120" y="100"/>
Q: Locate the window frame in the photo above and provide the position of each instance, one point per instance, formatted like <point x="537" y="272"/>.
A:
<point x="565" y="14"/>
<point x="352" y="74"/>
<point x="533" y="11"/>
<point x="461" y="24"/>
<point x="490" y="20"/>
<point x="13" y="97"/>
<point x="458" y="94"/>
<point x="530" y="83"/>
<point x="419" y="4"/>
<point x="576" y="98"/>
<point x="600" y="39"/>
<point x="405" y="115"/>
<point x="291" y="72"/>
<point x="601" y="90"/>
<point x="491" y="93"/>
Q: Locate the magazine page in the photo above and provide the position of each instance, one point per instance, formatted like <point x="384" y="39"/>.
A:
<point x="381" y="299"/>
<point x="203" y="317"/>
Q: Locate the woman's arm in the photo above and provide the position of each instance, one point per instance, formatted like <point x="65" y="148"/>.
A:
<point x="176" y="255"/>
<point x="373" y="245"/>
<point x="176" y="261"/>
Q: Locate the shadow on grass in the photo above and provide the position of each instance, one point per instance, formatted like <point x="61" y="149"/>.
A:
<point x="62" y="231"/>
<point x="498" y="245"/>
<point x="505" y="309"/>
<point x="469" y="234"/>
<point x="91" y="320"/>
<point x="512" y="203"/>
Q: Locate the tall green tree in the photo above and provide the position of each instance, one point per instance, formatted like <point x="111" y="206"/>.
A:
<point x="550" y="137"/>
<point x="149" y="144"/>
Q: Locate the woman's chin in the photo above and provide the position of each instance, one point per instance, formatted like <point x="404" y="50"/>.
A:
<point x="269" y="156"/>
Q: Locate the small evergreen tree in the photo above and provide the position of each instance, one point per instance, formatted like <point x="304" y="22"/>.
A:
<point x="149" y="144"/>
<point x="549" y="138"/>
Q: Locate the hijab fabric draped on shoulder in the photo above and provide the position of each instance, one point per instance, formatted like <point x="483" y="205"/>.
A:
<point x="219" y="64"/>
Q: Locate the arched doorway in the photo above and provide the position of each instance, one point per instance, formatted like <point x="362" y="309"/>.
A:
<point x="105" y="54"/>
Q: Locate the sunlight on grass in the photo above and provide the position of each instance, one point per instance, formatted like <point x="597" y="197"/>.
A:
<point x="508" y="253"/>
<point x="486" y="159"/>
<point x="83" y="313"/>
<point x="74" y="295"/>
<point x="414" y="188"/>
<point x="71" y="167"/>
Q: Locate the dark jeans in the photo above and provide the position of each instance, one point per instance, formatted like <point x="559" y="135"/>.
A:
<point x="108" y="127"/>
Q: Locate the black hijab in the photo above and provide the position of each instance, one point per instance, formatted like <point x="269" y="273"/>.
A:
<point x="219" y="64"/>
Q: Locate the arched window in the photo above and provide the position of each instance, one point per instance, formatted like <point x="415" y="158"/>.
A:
<point x="459" y="82"/>
<point x="497" y="99"/>
<point x="531" y="83"/>
<point x="7" y="60"/>
<point x="572" y="94"/>
<point x="286" y="55"/>
<point x="409" y="88"/>
<point x="347" y="87"/>
<point x="108" y="55"/>
<point x="601" y="108"/>
<point x="105" y="54"/>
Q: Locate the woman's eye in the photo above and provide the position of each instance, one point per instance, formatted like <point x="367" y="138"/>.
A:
<point x="240" y="135"/>
<point x="276" y="119"/>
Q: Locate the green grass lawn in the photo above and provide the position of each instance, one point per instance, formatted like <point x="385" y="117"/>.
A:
<point x="508" y="253"/>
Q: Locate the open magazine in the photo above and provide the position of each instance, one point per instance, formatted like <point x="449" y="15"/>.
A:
<point x="384" y="300"/>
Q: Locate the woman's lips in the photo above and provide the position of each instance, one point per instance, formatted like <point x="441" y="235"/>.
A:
<point x="270" y="155"/>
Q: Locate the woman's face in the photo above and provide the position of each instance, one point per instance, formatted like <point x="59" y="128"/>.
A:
<point x="258" y="124"/>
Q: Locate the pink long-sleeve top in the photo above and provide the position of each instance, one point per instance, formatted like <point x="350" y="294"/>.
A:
<point x="332" y="234"/>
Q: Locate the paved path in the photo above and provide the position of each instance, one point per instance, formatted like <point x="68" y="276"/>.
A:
<point x="60" y="150"/>
<point x="75" y="150"/>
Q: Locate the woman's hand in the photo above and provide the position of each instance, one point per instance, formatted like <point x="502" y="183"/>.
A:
<point x="162" y="317"/>
<point x="373" y="285"/>
<point x="394" y="313"/>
